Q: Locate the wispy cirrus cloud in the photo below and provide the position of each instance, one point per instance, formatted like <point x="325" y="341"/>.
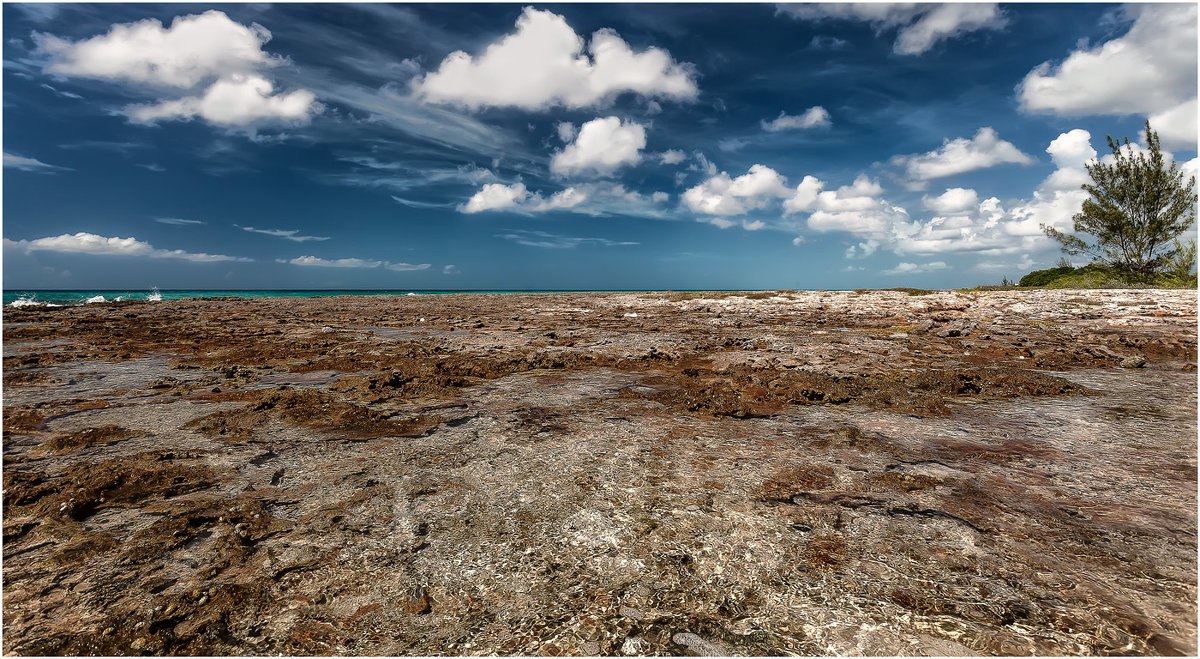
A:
<point x="64" y="94"/>
<point x="920" y="25"/>
<point x="288" y="234"/>
<point x="24" y="164"/>
<point x="412" y="203"/>
<point x="547" y="240"/>
<point x="178" y="221"/>
<point x="370" y="172"/>
<point x="103" y="145"/>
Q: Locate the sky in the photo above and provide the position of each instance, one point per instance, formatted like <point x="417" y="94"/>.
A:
<point x="569" y="146"/>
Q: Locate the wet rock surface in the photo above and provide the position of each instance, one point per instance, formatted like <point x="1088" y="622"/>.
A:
<point x="873" y="472"/>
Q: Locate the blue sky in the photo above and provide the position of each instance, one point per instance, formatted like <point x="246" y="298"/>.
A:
<point x="572" y="146"/>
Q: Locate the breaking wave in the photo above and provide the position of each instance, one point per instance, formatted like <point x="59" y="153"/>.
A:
<point x="26" y="301"/>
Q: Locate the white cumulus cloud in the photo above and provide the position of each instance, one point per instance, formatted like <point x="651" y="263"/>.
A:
<point x="862" y="250"/>
<point x="566" y="131"/>
<point x="317" y="262"/>
<point x="1069" y="151"/>
<point x="960" y="222"/>
<point x="671" y="157"/>
<point x="602" y="146"/>
<point x="811" y="195"/>
<point x="722" y="195"/>
<point x="960" y="155"/>
<point x="1150" y="70"/>
<point x="875" y="219"/>
<point x="1176" y="127"/>
<point x="813" y="117"/>
<point x="953" y="200"/>
<point x="406" y="267"/>
<point x="334" y="263"/>
<point x="209" y="53"/>
<point x="90" y="243"/>
<point x="194" y="49"/>
<point x="853" y="208"/>
<point x="565" y="198"/>
<point x="992" y="229"/>
<point x="904" y="268"/>
<point x="543" y="64"/>
<point x="1071" y="148"/>
<point x="497" y="196"/>
<point x="237" y="100"/>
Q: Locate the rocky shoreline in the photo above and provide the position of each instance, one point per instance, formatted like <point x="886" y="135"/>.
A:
<point x="869" y="472"/>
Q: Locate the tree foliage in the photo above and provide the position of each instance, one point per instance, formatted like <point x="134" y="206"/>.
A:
<point x="1043" y="277"/>
<point x="1139" y="206"/>
<point x="1180" y="269"/>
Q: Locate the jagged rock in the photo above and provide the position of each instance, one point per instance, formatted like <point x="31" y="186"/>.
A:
<point x="552" y="477"/>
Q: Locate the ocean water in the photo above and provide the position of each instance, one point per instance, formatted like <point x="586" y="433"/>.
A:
<point x="22" y="297"/>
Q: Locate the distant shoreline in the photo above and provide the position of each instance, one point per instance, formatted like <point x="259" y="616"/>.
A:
<point x="63" y="297"/>
<point x="77" y="297"/>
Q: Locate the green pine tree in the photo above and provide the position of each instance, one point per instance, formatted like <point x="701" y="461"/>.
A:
<point x="1138" y="208"/>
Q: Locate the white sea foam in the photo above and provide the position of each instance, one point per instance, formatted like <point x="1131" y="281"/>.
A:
<point x="30" y="301"/>
<point x="154" y="295"/>
<point x="95" y="300"/>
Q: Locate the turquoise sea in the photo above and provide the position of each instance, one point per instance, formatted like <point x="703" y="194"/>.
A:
<point x="71" y="297"/>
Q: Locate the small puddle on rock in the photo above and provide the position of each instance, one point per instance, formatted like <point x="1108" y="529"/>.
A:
<point x="94" y="379"/>
<point x="47" y="345"/>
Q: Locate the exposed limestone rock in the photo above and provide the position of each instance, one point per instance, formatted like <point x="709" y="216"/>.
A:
<point x="820" y="473"/>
